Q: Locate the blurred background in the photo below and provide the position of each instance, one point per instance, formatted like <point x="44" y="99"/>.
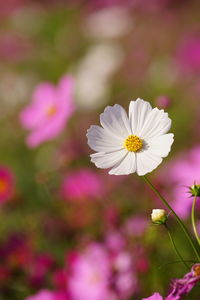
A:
<point x="68" y="230"/>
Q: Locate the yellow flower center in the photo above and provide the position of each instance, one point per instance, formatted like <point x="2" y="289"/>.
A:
<point x="3" y="185"/>
<point x="51" y="111"/>
<point x="196" y="270"/>
<point x="133" y="143"/>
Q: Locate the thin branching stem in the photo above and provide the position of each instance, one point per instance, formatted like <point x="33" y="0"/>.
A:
<point x="182" y="225"/>
<point x="175" y="247"/>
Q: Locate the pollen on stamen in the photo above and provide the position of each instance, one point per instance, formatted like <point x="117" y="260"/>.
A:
<point x="196" y="270"/>
<point x="51" y="111"/>
<point x="133" y="143"/>
<point x="3" y="185"/>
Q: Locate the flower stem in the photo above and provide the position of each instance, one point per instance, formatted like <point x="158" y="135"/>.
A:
<point x="175" y="215"/>
<point x="193" y="220"/>
<point x="175" y="248"/>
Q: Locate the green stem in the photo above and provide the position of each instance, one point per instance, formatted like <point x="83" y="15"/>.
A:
<point x="175" y="248"/>
<point x="176" y="262"/>
<point x="175" y="215"/>
<point x="193" y="220"/>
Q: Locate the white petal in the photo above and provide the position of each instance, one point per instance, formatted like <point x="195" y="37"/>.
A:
<point x="157" y="123"/>
<point x="146" y="162"/>
<point x="103" y="140"/>
<point x="138" y="112"/>
<point x="161" y="145"/>
<point x="125" y="166"/>
<point x="108" y="160"/>
<point x="115" y="120"/>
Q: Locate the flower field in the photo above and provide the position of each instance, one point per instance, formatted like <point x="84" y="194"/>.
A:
<point x="100" y="150"/>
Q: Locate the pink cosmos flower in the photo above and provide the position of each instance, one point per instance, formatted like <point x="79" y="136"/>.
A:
<point x="183" y="173"/>
<point x="163" y="102"/>
<point x="42" y="295"/>
<point x="115" y="241"/>
<point x="48" y="295"/>
<point x="81" y="184"/>
<point x="40" y="266"/>
<point x="7" y="184"/>
<point x="50" y="109"/>
<point x="184" y="285"/>
<point x="155" y="296"/>
<point x="136" y="226"/>
<point x="125" y="282"/>
<point x="101" y="273"/>
<point x="188" y="54"/>
<point x="11" y="6"/>
<point x="89" y="274"/>
<point x="59" y="279"/>
<point x="16" y="253"/>
<point x="14" y="47"/>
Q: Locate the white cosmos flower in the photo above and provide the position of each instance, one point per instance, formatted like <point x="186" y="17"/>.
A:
<point x="134" y="143"/>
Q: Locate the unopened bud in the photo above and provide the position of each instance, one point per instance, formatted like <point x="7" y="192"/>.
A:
<point x="159" y="216"/>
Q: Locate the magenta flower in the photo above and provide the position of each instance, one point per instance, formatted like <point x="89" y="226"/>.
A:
<point x="183" y="173"/>
<point x="101" y="273"/>
<point x="188" y="54"/>
<point x="155" y="296"/>
<point x="136" y="226"/>
<point x="81" y="184"/>
<point x="89" y="274"/>
<point x="59" y="279"/>
<point x="9" y="7"/>
<point x="163" y="102"/>
<point x="183" y="286"/>
<point x="115" y="241"/>
<point x="125" y="280"/>
<point x="50" y="109"/>
<point x="14" y="47"/>
<point x="7" y="184"/>
<point x="49" y="295"/>
<point x="40" y="266"/>
<point x="42" y="295"/>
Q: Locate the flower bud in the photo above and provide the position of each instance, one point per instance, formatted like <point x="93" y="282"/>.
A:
<point x="158" y="216"/>
<point x="195" y="190"/>
<point x="163" y="102"/>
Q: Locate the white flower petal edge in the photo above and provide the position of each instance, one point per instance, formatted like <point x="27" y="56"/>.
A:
<point x="126" y="166"/>
<point x="147" y="162"/>
<point x="109" y="159"/>
<point x="138" y="112"/>
<point x="103" y="140"/>
<point x="114" y="119"/>
<point x="150" y="126"/>
<point x="156" y="123"/>
<point x="161" y="145"/>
